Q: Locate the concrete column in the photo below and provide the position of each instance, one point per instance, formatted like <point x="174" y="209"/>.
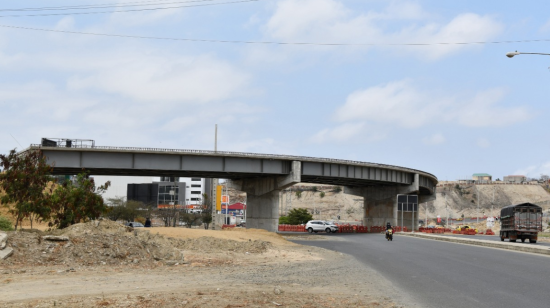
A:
<point x="262" y="197"/>
<point x="379" y="212"/>
<point x="263" y="211"/>
<point x="380" y="204"/>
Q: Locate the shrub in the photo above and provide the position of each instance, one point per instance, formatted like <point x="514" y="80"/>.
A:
<point x="337" y="189"/>
<point x="283" y="220"/>
<point x="5" y="224"/>
<point x="299" y="216"/>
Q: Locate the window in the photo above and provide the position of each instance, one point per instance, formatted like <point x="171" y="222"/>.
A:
<point x="195" y="192"/>
<point x="195" y="179"/>
<point x="195" y="199"/>
<point x="195" y="185"/>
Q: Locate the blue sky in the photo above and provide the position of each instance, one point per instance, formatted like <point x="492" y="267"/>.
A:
<point x="451" y="110"/>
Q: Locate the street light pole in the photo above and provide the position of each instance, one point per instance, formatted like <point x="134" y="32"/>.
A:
<point x="516" y="53"/>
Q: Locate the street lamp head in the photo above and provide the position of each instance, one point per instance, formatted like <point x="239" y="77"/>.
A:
<point x="512" y="54"/>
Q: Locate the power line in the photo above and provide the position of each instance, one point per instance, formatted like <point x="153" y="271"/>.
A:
<point x="125" y="11"/>
<point x="100" y="6"/>
<point x="274" y="42"/>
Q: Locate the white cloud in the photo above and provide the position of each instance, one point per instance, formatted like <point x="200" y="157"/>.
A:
<point x="546" y="27"/>
<point x="347" y="132"/>
<point x="170" y="78"/>
<point x="125" y="96"/>
<point x="483" y="143"/>
<point x="402" y="104"/>
<point x="434" y="139"/>
<point x="535" y="171"/>
<point x="398" y="103"/>
<point x="401" y="22"/>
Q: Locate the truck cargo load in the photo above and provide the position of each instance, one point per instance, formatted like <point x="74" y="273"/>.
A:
<point x="521" y="221"/>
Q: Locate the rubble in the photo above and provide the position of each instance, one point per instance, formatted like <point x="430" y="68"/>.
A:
<point x="5" y="253"/>
<point x="103" y="243"/>
<point x="55" y="238"/>
<point x="92" y="243"/>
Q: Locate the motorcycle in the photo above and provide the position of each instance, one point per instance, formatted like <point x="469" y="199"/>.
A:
<point x="389" y="235"/>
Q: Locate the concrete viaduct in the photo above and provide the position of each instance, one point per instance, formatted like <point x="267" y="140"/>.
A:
<point x="261" y="176"/>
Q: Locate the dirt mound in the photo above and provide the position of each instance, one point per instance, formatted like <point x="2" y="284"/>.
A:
<point x="110" y="243"/>
<point x="93" y="243"/>
<point x="211" y="244"/>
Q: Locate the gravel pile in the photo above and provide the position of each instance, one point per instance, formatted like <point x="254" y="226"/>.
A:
<point x="93" y="243"/>
<point x="110" y="243"/>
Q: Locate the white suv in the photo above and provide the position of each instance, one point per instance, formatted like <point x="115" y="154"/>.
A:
<point x="321" y="225"/>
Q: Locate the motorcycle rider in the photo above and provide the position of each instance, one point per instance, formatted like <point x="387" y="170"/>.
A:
<point x="389" y="229"/>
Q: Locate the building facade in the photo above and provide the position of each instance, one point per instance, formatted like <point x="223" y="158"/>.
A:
<point x="516" y="179"/>
<point x="482" y="177"/>
<point x="169" y="192"/>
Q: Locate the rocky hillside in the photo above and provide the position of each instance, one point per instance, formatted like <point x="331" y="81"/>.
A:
<point x="463" y="199"/>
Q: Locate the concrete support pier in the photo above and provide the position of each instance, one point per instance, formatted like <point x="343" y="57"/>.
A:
<point x="262" y="197"/>
<point x="380" y="204"/>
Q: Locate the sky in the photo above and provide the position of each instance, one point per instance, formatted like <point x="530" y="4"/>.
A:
<point x="358" y="90"/>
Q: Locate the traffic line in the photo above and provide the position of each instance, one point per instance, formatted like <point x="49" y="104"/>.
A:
<point x="545" y="250"/>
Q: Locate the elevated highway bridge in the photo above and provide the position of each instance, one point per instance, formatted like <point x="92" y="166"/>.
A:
<point x="261" y="176"/>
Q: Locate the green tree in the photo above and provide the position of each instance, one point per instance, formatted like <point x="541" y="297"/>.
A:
<point x="322" y="195"/>
<point x="283" y="220"/>
<point x="299" y="216"/>
<point x="24" y="180"/>
<point x="125" y="210"/>
<point x="76" y="202"/>
<point x="5" y="224"/>
<point x="189" y="219"/>
<point x="206" y="219"/>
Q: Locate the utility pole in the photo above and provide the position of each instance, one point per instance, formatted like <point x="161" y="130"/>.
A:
<point x="493" y="203"/>
<point x="477" y="218"/>
<point x="216" y="139"/>
<point x="447" y="209"/>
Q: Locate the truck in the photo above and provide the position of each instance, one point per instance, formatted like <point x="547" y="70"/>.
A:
<point x="521" y="221"/>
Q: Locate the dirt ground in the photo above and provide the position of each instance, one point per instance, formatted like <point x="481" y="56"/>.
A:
<point x="108" y="265"/>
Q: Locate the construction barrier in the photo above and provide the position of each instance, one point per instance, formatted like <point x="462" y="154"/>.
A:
<point x="489" y="232"/>
<point x="228" y="226"/>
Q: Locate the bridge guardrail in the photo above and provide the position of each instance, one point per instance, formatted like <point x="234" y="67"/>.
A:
<point x="240" y="154"/>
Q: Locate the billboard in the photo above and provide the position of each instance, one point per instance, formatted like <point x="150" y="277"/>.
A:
<point x="225" y="199"/>
<point x="219" y="198"/>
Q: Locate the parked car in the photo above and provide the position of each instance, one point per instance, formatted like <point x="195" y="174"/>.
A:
<point x="320" y="225"/>
<point x="135" y="224"/>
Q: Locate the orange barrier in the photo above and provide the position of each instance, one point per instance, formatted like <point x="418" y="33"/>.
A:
<point x="228" y="226"/>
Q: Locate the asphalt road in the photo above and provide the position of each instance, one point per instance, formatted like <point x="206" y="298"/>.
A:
<point x="441" y="274"/>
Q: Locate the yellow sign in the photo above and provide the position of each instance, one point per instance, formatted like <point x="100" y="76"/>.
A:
<point x="219" y="198"/>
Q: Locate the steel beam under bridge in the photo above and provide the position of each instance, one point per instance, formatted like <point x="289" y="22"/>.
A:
<point x="257" y="174"/>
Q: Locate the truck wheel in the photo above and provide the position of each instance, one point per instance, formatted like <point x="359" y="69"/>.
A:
<point x="502" y="238"/>
<point x="532" y="241"/>
<point x="310" y="230"/>
<point x="523" y="240"/>
<point x="513" y="241"/>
